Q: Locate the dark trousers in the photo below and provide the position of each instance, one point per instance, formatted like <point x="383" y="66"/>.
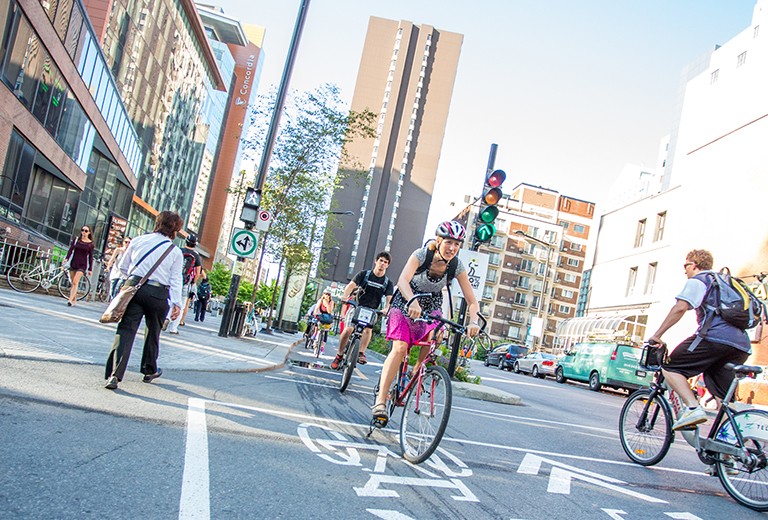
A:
<point x="200" y="305"/>
<point x="150" y="303"/>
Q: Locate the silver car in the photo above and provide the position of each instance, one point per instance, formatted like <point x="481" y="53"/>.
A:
<point x="538" y="364"/>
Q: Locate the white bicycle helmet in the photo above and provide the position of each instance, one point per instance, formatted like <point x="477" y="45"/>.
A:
<point x="451" y="229"/>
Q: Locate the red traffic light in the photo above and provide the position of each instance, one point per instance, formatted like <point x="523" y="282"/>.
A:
<point x="496" y="178"/>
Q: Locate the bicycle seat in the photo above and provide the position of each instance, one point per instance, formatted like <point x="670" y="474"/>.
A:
<point x="744" y="370"/>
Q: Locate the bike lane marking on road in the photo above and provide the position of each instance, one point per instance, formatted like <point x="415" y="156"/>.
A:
<point x="561" y="475"/>
<point x="195" y="502"/>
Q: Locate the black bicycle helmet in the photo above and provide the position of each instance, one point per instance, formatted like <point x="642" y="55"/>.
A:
<point x="451" y="229"/>
<point x="191" y="240"/>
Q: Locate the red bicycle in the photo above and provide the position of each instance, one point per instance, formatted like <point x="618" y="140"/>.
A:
<point x="425" y="398"/>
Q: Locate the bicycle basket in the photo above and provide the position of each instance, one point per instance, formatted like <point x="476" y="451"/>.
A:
<point x="364" y="316"/>
<point x="652" y="356"/>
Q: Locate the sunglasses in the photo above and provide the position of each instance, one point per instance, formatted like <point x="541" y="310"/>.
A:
<point x="86" y="230"/>
<point x="687" y="264"/>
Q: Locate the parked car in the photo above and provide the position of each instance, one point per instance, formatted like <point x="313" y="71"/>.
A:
<point x="505" y="355"/>
<point x="599" y="364"/>
<point x="538" y="364"/>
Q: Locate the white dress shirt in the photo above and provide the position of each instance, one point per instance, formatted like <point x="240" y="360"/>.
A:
<point x="169" y="272"/>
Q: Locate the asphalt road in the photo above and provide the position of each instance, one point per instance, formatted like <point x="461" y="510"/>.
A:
<point x="286" y="444"/>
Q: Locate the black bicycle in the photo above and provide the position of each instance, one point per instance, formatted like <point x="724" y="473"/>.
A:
<point x="309" y="334"/>
<point x="363" y="318"/>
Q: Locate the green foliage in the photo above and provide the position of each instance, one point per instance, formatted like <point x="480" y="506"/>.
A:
<point x="220" y="278"/>
<point x="314" y="130"/>
<point x="264" y="294"/>
<point x="244" y="291"/>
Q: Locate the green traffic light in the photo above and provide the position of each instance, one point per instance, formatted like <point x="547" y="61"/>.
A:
<point x="485" y="232"/>
<point x="489" y="214"/>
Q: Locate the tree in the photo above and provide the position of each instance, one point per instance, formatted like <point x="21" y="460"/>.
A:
<point x="265" y="293"/>
<point x="220" y="278"/>
<point x="304" y="164"/>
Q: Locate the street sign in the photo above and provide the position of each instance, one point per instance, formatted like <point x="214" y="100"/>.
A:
<point x="262" y="222"/>
<point x="243" y="243"/>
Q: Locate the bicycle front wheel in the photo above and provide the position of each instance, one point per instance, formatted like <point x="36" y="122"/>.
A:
<point x="350" y="359"/>
<point x="83" y="286"/>
<point x="746" y="478"/>
<point x="645" y="428"/>
<point x="426" y="414"/>
<point x="24" y="277"/>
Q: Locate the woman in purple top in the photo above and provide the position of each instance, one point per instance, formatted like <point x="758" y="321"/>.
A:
<point x="80" y="257"/>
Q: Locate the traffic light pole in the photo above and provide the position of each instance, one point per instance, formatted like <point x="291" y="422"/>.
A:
<point x="267" y="153"/>
<point x="463" y="305"/>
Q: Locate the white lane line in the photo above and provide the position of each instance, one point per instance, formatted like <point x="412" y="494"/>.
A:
<point x="195" y="503"/>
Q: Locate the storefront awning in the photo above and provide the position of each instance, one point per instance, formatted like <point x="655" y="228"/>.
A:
<point x="618" y="327"/>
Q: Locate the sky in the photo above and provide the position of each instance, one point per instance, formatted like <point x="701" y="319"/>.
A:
<point x="570" y="90"/>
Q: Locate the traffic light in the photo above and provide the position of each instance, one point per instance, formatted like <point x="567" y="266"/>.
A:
<point x="250" y="205"/>
<point x="485" y="228"/>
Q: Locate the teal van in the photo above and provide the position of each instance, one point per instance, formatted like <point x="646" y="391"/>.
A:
<point x="603" y="364"/>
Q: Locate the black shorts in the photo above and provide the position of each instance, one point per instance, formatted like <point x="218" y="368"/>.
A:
<point x="707" y="358"/>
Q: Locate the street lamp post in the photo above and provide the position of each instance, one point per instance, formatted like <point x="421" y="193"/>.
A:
<point x="540" y="307"/>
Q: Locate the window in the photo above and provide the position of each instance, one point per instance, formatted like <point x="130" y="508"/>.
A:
<point x="514" y="332"/>
<point x="563" y="224"/>
<point x="567" y="293"/>
<point x="640" y="232"/>
<point x="578" y="228"/>
<point x="524" y="282"/>
<point x="570" y="278"/>
<point x="520" y="298"/>
<point x="23" y="62"/>
<point x="631" y="280"/>
<point x="714" y="76"/>
<point x="741" y="59"/>
<point x="650" y="278"/>
<point x="573" y="262"/>
<point x="526" y="265"/>
<point x="661" y="220"/>
<point x="575" y="247"/>
<point x="563" y="309"/>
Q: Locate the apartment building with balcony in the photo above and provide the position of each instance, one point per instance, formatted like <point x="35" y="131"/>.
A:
<point x="536" y="262"/>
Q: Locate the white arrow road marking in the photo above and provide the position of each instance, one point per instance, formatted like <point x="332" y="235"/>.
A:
<point x="683" y="516"/>
<point x="387" y="514"/>
<point x="561" y="475"/>
<point x="372" y="489"/>
<point x="615" y="513"/>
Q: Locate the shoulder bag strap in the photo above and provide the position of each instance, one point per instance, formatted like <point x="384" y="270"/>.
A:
<point x="146" y="255"/>
<point x="152" y="269"/>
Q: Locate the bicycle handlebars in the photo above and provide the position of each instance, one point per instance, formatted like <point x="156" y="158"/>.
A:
<point x="456" y="327"/>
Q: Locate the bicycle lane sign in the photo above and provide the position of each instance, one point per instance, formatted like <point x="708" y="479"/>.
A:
<point x="335" y="447"/>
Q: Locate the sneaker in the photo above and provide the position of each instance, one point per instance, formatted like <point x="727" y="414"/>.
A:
<point x="165" y="323"/>
<point x="336" y="362"/>
<point x="690" y="417"/>
<point x="111" y="383"/>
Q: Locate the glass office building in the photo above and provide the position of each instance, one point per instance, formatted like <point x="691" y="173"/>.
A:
<point x="68" y="148"/>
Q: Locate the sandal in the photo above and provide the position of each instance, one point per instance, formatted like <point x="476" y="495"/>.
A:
<point x="336" y="362"/>
<point x="361" y="360"/>
<point x="380" y="415"/>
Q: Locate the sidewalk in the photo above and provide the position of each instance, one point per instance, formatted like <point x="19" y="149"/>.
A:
<point x="37" y="326"/>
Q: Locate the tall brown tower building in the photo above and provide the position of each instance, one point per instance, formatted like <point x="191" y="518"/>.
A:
<point x="406" y="76"/>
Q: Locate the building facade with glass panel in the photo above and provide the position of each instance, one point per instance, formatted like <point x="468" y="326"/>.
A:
<point x="164" y="69"/>
<point x="68" y="148"/>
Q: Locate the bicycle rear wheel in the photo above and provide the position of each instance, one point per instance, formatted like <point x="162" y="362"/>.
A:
<point x="24" y="277"/>
<point x="746" y="478"/>
<point x="645" y="428"/>
<point x="350" y="359"/>
<point x="83" y="286"/>
<point x="426" y="414"/>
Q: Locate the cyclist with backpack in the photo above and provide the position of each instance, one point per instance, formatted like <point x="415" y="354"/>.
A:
<point x="203" y="296"/>
<point x="191" y="273"/>
<point x="369" y="287"/>
<point x="715" y="343"/>
<point x="428" y="270"/>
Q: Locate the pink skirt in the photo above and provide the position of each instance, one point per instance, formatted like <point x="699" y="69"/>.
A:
<point x="402" y="328"/>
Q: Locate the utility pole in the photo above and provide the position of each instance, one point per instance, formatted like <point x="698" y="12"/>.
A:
<point x="229" y="307"/>
<point x="484" y="233"/>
